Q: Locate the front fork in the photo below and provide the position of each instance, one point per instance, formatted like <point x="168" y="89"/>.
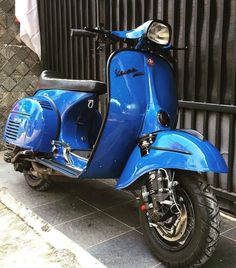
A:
<point x="160" y="185"/>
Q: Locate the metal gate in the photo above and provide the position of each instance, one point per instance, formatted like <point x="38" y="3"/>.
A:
<point x="206" y="71"/>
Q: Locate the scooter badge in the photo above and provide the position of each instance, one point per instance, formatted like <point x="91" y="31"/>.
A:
<point x="150" y="62"/>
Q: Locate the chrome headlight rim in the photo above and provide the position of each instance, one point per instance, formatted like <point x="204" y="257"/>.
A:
<point x="164" y="23"/>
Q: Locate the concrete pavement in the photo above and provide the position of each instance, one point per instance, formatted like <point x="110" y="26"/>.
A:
<point x="21" y="246"/>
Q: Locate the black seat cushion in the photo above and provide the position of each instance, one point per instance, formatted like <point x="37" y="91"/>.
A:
<point x="53" y="80"/>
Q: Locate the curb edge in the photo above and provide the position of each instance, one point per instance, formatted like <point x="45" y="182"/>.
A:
<point x="51" y="235"/>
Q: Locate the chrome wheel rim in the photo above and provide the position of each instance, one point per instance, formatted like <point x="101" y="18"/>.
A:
<point x="176" y="231"/>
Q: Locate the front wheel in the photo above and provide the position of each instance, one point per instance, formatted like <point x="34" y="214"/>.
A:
<point x="185" y="234"/>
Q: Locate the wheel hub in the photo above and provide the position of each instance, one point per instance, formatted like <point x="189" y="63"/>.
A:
<point x="174" y="228"/>
<point x="173" y="221"/>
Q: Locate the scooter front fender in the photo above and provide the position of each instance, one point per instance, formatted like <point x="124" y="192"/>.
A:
<point x="174" y="149"/>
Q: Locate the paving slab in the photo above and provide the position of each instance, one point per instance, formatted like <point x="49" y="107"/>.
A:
<point x="126" y="212"/>
<point x="20" y="246"/>
<point x="227" y="224"/>
<point x="127" y="250"/>
<point x="63" y="210"/>
<point x="224" y="256"/>
<point x="102" y="220"/>
<point x="93" y="229"/>
<point x="100" y="194"/>
<point x="231" y="234"/>
<point x="64" y="247"/>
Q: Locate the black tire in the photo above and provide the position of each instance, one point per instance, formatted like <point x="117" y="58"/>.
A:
<point x="202" y="241"/>
<point x="36" y="183"/>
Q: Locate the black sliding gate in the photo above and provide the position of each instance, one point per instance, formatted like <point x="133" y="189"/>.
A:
<point x="206" y="71"/>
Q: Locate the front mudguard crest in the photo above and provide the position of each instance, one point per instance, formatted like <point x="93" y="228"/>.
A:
<point x="197" y="155"/>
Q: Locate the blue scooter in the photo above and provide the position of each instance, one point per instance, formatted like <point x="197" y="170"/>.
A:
<point x="59" y="131"/>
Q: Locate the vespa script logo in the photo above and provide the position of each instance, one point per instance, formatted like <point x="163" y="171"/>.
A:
<point x="129" y="71"/>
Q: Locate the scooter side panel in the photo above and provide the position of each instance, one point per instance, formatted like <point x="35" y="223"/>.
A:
<point x="177" y="150"/>
<point x="126" y="111"/>
<point x="77" y="119"/>
<point x="141" y="84"/>
<point x="32" y="124"/>
<point x="161" y="94"/>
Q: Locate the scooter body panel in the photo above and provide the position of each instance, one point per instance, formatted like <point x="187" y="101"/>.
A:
<point x="173" y="150"/>
<point x="77" y="119"/>
<point x="135" y="81"/>
<point x="49" y="115"/>
<point x="32" y="124"/>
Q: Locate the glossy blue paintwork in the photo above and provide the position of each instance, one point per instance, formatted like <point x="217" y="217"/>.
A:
<point x="135" y="33"/>
<point x="71" y="106"/>
<point x="204" y="157"/>
<point x="79" y="124"/>
<point x="37" y="126"/>
<point x="161" y="94"/>
<point x="135" y="99"/>
<point x="126" y="113"/>
<point x="78" y="163"/>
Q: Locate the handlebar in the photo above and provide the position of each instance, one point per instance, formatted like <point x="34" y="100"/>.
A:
<point x="81" y="32"/>
<point x="102" y="35"/>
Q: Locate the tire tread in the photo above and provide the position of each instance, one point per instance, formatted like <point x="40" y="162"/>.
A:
<point x="40" y="185"/>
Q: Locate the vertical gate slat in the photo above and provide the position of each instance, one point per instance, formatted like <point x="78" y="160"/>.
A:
<point x="207" y="17"/>
<point x="182" y="59"/>
<point x="75" y="42"/>
<point x="220" y="11"/>
<point x="70" y="46"/>
<point x="194" y="59"/>
<point x="47" y="36"/>
<point x="231" y="153"/>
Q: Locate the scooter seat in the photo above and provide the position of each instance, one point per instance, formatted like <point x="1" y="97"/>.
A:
<point x="53" y="80"/>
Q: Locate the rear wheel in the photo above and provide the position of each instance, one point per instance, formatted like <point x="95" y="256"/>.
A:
<point x="186" y="234"/>
<point x="36" y="183"/>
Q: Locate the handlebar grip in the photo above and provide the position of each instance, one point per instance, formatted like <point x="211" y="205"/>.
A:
<point x="81" y="32"/>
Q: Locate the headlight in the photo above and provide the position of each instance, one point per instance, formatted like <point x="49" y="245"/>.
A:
<point x="159" y="33"/>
